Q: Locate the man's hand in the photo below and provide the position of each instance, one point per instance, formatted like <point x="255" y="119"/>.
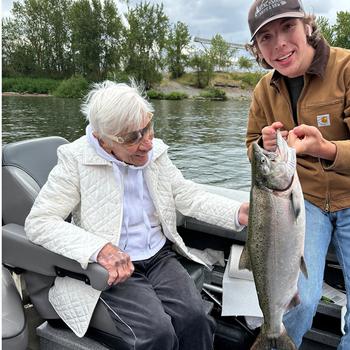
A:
<point x="116" y="262"/>
<point x="308" y="140"/>
<point x="269" y="136"/>
<point x="243" y="213"/>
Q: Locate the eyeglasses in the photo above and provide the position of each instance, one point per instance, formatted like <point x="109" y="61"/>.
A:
<point x="134" y="137"/>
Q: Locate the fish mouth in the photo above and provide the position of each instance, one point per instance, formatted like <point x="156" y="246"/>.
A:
<point x="282" y="147"/>
<point x="260" y="151"/>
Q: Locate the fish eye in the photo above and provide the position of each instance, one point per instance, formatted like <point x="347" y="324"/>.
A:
<point x="263" y="160"/>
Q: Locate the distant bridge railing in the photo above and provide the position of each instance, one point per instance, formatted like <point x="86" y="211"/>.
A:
<point x="208" y="41"/>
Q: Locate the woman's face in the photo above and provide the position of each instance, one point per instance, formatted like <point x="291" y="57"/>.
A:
<point x="283" y="44"/>
<point x="134" y="153"/>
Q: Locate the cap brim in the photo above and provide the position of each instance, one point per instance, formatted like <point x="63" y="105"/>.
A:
<point x="296" y="14"/>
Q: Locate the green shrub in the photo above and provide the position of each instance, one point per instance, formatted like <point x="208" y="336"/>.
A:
<point x="155" y="95"/>
<point x="214" y="94"/>
<point x="29" y="85"/>
<point x="175" y="95"/>
<point x="251" y="78"/>
<point x="74" y="87"/>
<point x="119" y="77"/>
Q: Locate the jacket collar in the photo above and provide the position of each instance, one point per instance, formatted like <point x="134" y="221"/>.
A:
<point x="90" y="157"/>
<point x="317" y="67"/>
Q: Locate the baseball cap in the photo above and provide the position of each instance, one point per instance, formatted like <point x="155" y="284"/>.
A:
<point x="266" y="11"/>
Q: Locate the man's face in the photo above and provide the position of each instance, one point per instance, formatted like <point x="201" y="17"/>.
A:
<point x="283" y="45"/>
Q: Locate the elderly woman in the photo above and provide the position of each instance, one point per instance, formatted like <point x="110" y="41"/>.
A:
<point x="123" y="191"/>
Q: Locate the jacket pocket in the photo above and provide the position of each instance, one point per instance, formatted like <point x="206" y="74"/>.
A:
<point x="327" y="116"/>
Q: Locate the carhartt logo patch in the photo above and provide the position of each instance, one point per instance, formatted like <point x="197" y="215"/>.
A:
<point x="324" y="120"/>
<point x="268" y="5"/>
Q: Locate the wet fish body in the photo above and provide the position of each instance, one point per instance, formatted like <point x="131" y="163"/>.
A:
<point x="275" y="245"/>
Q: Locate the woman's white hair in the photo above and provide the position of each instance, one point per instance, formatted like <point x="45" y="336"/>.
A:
<point x="115" y="108"/>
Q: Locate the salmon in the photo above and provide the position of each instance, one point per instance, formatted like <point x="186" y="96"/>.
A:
<point x="275" y="243"/>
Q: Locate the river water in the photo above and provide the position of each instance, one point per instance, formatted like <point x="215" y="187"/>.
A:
<point x="206" y="138"/>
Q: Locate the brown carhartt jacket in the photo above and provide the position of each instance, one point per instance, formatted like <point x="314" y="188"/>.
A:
<point x="324" y="103"/>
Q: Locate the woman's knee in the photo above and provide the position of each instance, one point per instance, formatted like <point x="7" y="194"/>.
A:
<point x="194" y="318"/>
<point x="163" y="333"/>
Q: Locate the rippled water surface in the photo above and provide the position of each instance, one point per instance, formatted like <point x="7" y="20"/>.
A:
<point x="206" y="138"/>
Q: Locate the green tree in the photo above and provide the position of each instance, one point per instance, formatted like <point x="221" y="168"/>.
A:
<point x="339" y="33"/>
<point x="111" y="40"/>
<point x="86" y="31"/>
<point x="221" y="52"/>
<point x="177" y="44"/>
<point x="325" y="28"/>
<point x="244" y="63"/>
<point x="342" y="30"/>
<point x="202" y="64"/>
<point x="145" y="42"/>
<point x="38" y="31"/>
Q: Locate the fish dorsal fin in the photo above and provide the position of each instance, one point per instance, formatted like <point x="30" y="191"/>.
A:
<point x="244" y="260"/>
<point x="303" y="267"/>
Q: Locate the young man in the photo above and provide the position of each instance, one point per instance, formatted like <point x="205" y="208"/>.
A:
<point x="307" y="95"/>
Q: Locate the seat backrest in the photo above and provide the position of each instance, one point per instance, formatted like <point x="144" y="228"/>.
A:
<point x="25" y="168"/>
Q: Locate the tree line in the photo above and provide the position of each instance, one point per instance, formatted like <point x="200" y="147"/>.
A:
<point x="64" y="38"/>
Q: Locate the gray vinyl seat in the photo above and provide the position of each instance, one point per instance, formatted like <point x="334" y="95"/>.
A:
<point x="25" y="168"/>
<point x="14" y="324"/>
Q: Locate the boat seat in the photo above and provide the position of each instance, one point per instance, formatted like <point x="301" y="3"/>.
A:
<point x="25" y="168"/>
<point x="14" y="325"/>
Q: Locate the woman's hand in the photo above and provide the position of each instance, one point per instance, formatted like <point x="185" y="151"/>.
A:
<point x="116" y="262"/>
<point x="243" y="213"/>
<point x="269" y="136"/>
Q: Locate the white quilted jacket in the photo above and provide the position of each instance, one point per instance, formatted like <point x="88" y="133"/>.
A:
<point x="82" y="183"/>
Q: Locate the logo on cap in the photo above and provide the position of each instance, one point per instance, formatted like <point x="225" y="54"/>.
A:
<point x="268" y="5"/>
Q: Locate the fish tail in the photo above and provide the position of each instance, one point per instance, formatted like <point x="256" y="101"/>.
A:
<point x="283" y="342"/>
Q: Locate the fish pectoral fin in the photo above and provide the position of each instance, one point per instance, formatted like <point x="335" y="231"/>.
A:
<point x="303" y="267"/>
<point x="294" y="302"/>
<point x="244" y="260"/>
<point x="296" y="200"/>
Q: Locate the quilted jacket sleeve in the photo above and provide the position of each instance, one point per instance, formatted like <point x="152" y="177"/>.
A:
<point x="191" y="200"/>
<point x="46" y="225"/>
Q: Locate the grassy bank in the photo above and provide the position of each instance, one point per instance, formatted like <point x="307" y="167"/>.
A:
<point x="25" y="85"/>
<point x="178" y="89"/>
<point x="74" y="87"/>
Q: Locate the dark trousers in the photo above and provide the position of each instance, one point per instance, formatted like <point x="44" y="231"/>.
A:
<point x="158" y="308"/>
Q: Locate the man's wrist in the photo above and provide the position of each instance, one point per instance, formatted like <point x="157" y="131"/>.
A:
<point x="328" y="150"/>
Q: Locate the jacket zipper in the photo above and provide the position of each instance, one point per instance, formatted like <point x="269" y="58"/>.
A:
<point x="327" y="205"/>
<point x="121" y="208"/>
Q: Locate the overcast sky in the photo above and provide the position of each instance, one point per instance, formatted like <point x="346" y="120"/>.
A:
<point x="206" y="18"/>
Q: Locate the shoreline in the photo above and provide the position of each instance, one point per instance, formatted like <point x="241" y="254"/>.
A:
<point x="24" y="94"/>
<point x="232" y="93"/>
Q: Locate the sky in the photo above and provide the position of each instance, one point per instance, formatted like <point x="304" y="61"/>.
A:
<point x="206" y="18"/>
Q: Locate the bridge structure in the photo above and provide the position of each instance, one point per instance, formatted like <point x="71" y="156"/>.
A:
<point x="204" y="42"/>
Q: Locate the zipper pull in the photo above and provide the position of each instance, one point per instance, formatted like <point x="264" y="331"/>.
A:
<point x="326" y="207"/>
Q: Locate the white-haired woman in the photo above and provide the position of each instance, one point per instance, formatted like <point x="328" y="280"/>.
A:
<point x="123" y="190"/>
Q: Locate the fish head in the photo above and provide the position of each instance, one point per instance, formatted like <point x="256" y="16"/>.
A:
<point x="273" y="170"/>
